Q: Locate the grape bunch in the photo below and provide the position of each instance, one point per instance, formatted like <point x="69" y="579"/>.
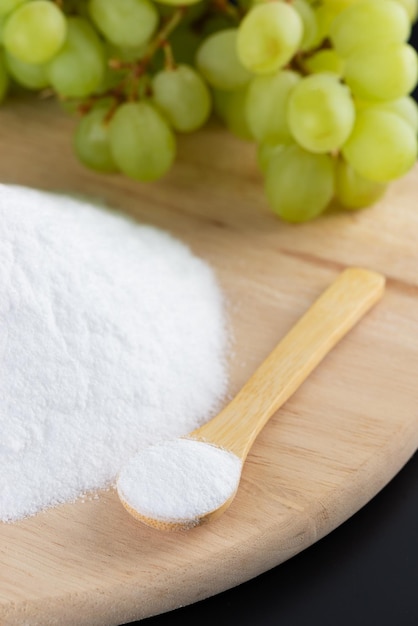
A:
<point x="322" y="87"/>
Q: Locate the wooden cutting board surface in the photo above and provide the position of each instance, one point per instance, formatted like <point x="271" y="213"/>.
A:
<point x="342" y="436"/>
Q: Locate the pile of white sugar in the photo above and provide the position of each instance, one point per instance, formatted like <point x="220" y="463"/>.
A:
<point x="112" y="337"/>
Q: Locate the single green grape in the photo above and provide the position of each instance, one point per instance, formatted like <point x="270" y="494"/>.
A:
<point x="7" y="6"/>
<point x="141" y="141"/>
<point x="269" y="36"/>
<point x="411" y="8"/>
<point x="125" y="23"/>
<point x="324" y="18"/>
<point x="79" y="68"/>
<point x="326" y="60"/>
<point x="230" y="108"/>
<point x="405" y="107"/>
<point x="266" y="106"/>
<point x="382" y="146"/>
<point x="217" y="61"/>
<point x="35" y="32"/>
<point x="352" y="190"/>
<point x="182" y="95"/>
<point x="299" y="185"/>
<point x="369" y="22"/>
<point x="266" y="151"/>
<point x="321" y="113"/>
<point x="28" y="75"/>
<point x="91" y="140"/>
<point x="309" y="22"/>
<point x="382" y="72"/>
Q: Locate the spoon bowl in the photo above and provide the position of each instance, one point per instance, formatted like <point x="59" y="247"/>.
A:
<point x="200" y="477"/>
<point x="164" y="488"/>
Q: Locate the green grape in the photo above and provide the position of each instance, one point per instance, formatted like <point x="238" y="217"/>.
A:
<point x="381" y="147"/>
<point x="320" y="113"/>
<point x="27" y="74"/>
<point x="35" y="32"/>
<point x="411" y="8"/>
<point x="369" y="22"/>
<point x="142" y="144"/>
<point x="230" y="108"/>
<point x="324" y="17"/>
<point x="405" y="107"/>
<point x="79" y="68"/>
<point x="309" y="22"/>
<point x="125" y="23"/>
<point x="4" y="78"/>
<point x="7" y="6"/>
<point x="218" y="62"/>
<point x="384" y="72"/>
<point x="352" y="190"/>
<point x="269" y="36"/>
<point x="266" y="151"/>
<point x="325" y="61"/>
<point x="299" y="185"/>
<point x="182" y="95"/>
<point x="266" y="106"/>
<point x="91" y="140"/>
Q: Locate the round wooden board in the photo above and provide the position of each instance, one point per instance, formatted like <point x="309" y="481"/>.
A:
<point x="342" y="436"/>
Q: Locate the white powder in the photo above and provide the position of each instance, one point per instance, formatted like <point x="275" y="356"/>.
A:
<point x="112" y="337"/>
<point x="179" y="480"/>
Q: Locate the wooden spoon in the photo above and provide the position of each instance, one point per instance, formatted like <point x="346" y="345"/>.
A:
<point x="159" y="502"/>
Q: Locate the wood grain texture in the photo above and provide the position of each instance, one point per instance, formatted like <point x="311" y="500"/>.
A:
<point x="328" y="319"/>
<point x="336" y="442"/>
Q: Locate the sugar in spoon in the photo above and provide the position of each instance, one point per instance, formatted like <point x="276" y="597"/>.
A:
<point x="184" y="482"/>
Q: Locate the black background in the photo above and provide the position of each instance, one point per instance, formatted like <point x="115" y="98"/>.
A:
<point x="365" y="573"/>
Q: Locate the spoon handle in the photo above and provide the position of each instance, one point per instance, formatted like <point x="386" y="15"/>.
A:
<point x="331" y="316"/>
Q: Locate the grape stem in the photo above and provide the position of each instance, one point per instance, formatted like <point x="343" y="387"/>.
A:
<point x="139" y="68"/>
<point x="162" y="36"/>
<point x="226" y="7"/>
<point x="297" y="63"/>
<point x="169" y="61"/>
<point x="128" y="88"/>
